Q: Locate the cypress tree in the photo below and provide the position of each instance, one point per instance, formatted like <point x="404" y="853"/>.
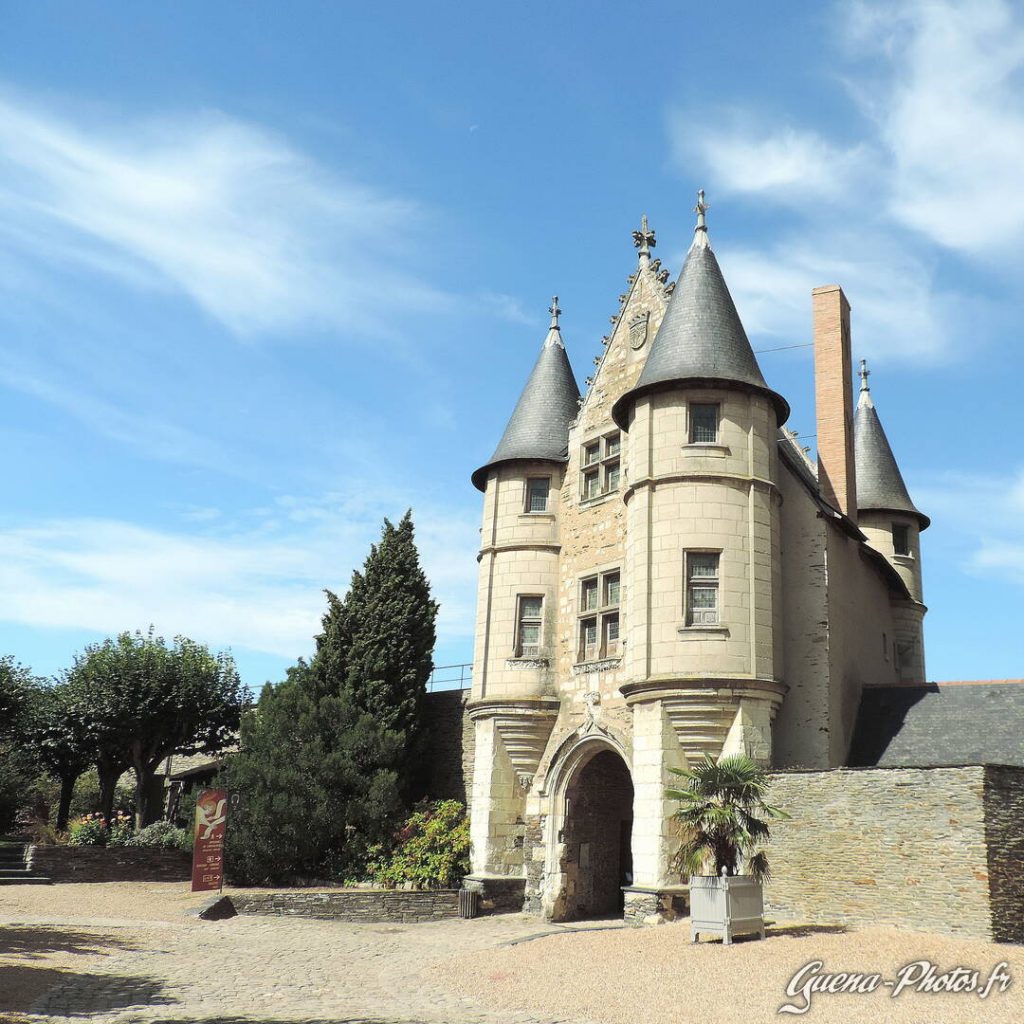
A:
<point x="377" y="644"/>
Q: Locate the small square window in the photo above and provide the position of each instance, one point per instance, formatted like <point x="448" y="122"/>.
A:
<point x="592" y="454"/>
<point x="612" y="444"/>
<point x="611" y="476"/>
<point x="901" y="538"/>
<point x="588" y="639"/>
<point x="588" y="595"/>
<point x="703" y="424"/>
<point x="610" y="640"/>
<point x="537" y="489"/>
<point x="591" y="484"/>
<point x="611" y="589"/>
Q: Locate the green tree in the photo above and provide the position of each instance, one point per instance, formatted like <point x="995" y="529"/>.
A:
<point x="377" y="644"/>
<point x="724" y="817"/>
<point x="16" y="687"/>
<point x="16" y="767"/>
<point x="316" y="782"/>
<point x="61" y="739"/>
<point x="147" y="700"/>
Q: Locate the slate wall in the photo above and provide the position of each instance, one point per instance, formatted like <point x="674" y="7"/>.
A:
<point x="360" y="905"/>
<point x="110" y="864"/>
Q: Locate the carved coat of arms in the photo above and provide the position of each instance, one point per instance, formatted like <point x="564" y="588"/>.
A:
<point x="638" y="329"/>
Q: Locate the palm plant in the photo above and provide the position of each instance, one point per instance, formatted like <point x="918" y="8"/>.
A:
<point x="724" y="817"/>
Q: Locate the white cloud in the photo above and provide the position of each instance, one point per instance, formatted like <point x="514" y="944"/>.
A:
<point x="940" y="94"/>
<point x="253" y="232"/>
<point x="257" y="587"/>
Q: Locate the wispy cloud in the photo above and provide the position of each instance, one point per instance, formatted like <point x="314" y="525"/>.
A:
<point x="252" y="231"/>
<point x="938" y="90"/>
<point x="254" y="583"/>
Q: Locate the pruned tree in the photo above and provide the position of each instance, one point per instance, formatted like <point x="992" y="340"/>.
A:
<point x="147" y="700"/>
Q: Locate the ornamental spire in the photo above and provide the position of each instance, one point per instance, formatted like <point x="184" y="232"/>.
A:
<point x="644" y="241"/>
<point x="864" y="374"/>
<point x="700" y="232"/>
<point x="555" y="312"/>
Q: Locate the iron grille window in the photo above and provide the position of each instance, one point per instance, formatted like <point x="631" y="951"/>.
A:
<point x="701" y="588"/>
<point x="703" y="424"/>
<point x="528" y="628"/>
<point x="537" y="489"/>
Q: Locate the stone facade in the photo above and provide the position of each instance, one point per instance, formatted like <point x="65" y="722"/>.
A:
<point x="449" y="757"/>
<point x="933" y="849"/>
<point x="623" y="669"/>
<point x="358" y="905"/>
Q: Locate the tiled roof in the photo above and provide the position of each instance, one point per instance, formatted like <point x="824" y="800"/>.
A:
<point x="539" y="426"/>
<point x="932" y="724"/>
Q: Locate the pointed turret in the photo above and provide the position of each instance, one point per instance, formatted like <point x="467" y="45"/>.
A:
<point x="880" y="485"/>
<point x="701" y="340"/>
<point x="539" y="427"/>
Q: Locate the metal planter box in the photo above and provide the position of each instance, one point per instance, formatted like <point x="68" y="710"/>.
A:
<point x="725" y="906"/>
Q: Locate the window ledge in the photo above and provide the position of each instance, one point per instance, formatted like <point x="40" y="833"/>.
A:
<point x="600" y="665"/>
<point x="904" y="559"/>
<point x="587" y="502"/>
<point x="703" y="632"/>
<point x="544" y="516"/>
<point x="716" y="451"/>
<point x="518" y="662"/>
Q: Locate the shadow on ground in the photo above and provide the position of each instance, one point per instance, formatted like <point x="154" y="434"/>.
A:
<point x="799" y="931"/>
<point x="32" y="942"/>
<point x="58" y="994"/>
<point x="272" y="1020"/>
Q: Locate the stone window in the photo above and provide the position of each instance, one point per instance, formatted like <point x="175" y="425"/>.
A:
<point x="601" y="466"/>
<point x="703" y="423"/>
<point x="599" y="616"/>
<point x="537" y="488"/>
<point x="701" y="569"/>
<point x="528" y="626"/>
<point x="901" y="538"/>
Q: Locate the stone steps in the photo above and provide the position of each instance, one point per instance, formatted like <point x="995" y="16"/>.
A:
<point x="14" y="867"/>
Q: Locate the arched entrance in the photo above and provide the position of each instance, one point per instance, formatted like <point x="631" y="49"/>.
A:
<point x="597" y="827"/>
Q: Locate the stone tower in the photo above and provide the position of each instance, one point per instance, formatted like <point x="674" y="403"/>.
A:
<point x="892" y="524"/>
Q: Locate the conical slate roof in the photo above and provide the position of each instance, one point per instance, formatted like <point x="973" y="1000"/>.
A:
<point x="879" y="480"/>
<point x="701" y="340"/>
<point x="539" y="427"/>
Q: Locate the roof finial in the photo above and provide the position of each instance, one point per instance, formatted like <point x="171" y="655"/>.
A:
<point x="700" y="232"/>
<point x="555" y="312"/>
<point x="644" y="240"/>
<point x="864" y="374"/>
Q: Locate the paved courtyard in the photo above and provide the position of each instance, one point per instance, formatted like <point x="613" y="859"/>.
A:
<point x="114" y="954"/>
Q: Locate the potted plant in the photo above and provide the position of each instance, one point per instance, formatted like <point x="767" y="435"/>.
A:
<point x="724" y="819"/>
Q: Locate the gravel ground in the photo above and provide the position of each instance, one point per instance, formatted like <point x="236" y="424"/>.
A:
<point x="128" y="953"/>
<point x="657" y="976"/>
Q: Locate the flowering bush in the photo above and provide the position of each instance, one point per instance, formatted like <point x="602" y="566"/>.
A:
<point x="431" y="851"/>
<point x="88" y="830"/>
<point x="163" y="834"/>
<point x="95" y="830"/>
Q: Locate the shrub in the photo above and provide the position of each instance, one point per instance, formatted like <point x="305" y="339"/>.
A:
<point x="122" y="828"/>
<point x="163" y="834"/>
<point x="89" y="830"/>
<point x="431" y="851"/>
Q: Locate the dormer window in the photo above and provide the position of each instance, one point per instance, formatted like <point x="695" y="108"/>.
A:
<point x="703" y="423"/>
<point x="601" y="467"/>
<point x="901" y="538"/>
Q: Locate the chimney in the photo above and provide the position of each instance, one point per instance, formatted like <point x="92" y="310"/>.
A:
<point x="833" y="397"/>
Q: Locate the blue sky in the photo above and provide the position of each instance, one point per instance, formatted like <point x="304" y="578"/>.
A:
<point x="269" y="273"/>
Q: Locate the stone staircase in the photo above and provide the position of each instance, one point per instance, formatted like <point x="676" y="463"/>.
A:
<point x="14" y="865"/>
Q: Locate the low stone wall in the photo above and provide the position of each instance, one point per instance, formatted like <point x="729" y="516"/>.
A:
<point x="110" y="864"/>
<point x="365" y="905"/>
<point x="498" y="894"/>
<point x="932" y="849"/>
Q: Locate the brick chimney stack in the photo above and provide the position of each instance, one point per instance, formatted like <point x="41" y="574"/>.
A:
<point x="833" y="396"/>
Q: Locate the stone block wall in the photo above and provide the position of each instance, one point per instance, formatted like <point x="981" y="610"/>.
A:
<point x="357" y="905"/>
<point x="1004" y="836"/>
<point x="932" y="849"/>
<point x="450" y="742"/>
<point x="110" y="864"/>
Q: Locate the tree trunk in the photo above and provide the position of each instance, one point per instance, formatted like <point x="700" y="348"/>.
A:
<point x="67" y="789"/>
<point x="109" y="773"/>
<point x="143" y="774"/>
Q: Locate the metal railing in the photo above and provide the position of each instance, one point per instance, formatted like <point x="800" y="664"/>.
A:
<point x="450" y="677"/>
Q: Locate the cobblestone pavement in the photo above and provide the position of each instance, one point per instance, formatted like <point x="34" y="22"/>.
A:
<point x="251" y="970"/>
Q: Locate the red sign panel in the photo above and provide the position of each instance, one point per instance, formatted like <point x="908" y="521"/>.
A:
<point x="208" y="844"/>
